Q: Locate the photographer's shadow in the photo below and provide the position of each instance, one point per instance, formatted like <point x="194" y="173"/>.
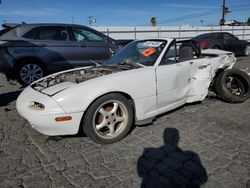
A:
<point x="169" y="166"/>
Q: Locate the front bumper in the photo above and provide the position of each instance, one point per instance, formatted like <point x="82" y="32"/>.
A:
<point x="44" y="120"/>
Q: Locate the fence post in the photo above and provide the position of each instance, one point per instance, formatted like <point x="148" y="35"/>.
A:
<point x="179" y="32"/>
<point x="135" y="33"/>
<point x="158" y="32"/>
<point x="108" y="32"/>
<point x="243" y="32"/>
<point x="232" y="29"/>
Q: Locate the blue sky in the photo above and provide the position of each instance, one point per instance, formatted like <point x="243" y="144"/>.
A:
<point x="122" y="12"/>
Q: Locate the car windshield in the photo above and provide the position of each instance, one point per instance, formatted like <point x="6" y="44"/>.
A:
<point x="143" y="52"/>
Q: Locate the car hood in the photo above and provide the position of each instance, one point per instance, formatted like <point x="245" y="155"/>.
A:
<point x="57" y="82"/>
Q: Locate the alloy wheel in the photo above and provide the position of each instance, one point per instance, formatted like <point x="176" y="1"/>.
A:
<point x="30" y="73"/>
<point x="235" y="86"/>
<point x="110" y="119"/>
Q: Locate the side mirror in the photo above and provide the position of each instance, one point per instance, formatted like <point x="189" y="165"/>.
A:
<point x="236" y="38"/>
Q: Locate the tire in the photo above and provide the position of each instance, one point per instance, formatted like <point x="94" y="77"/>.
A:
<point x="113" y="114"/>
<point x="28" y="72"/>
<point x="233" y="86"/>
<point x="247" y="50"/>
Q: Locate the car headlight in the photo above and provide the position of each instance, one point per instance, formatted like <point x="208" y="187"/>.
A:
<point x="36" y="105"/>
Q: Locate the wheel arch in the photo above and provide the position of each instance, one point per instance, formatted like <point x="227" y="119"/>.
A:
<point x="217" y="73"/>
<point x="30" y="58"/>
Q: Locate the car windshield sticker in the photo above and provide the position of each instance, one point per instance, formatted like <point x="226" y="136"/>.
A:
<point x="148" y="52"/>
<point x="153" y="44"/>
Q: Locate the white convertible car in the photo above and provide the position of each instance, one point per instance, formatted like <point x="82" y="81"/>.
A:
<point x="144" y="79"/>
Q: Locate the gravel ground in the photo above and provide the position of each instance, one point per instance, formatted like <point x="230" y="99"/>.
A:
<point x="205" y="144"/>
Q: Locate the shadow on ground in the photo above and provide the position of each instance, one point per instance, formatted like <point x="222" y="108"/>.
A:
<point x="169" y="166"/>
<point x="9" y="97"/>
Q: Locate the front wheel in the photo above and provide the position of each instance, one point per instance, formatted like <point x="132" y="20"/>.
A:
<point x="233" y="86"/>
<point x="108" y="119"/>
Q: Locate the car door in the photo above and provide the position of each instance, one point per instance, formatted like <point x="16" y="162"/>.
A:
<point x="90" y="46"/>
<point x="231" y="43"/>
<point x="172" y="80"/>
<point x="52" y="45"/>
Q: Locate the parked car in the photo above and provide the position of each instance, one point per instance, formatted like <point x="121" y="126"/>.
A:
<point x="235" y="23"/>
<point x="144" y="79"/>
<point x="30" y="51"/>
<point x="223" y="41"/>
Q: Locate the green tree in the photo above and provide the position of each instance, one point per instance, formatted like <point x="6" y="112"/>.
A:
<point x="153" y="21"/>
<point x="248" y="21"/>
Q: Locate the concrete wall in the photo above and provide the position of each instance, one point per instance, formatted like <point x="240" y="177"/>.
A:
<point x="124" y="32"/>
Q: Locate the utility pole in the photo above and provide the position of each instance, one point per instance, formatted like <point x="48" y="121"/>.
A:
<point x="225" y="10"/>
<point x="222" y="21"/>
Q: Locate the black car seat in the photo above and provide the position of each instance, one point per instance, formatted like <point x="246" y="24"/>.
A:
<point x="186" y="52"/>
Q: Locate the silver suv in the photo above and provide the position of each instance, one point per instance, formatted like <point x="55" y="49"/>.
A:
<point x="30" y="51"/>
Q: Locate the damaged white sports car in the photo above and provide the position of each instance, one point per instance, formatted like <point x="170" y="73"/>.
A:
<point x="144" y="79"/>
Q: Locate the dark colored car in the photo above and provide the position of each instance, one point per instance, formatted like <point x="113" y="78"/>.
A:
<point x="30" y="51"/>
<point x="223" y="41"/>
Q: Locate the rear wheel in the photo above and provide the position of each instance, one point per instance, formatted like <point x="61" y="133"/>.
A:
<point x="233" y="86"/>
<point x="108" y="119"/>
<point x="247" y="50"/>
<point x="28" y="72"/>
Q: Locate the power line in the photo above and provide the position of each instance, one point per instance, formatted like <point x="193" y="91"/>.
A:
<point x="242" y="5"/>
<point x="205" y="13"/>
<point x="190" y="16"/>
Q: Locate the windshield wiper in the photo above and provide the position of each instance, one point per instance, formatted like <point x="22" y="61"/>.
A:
<point x="97" y="64"/>
<point x="131" y="64"/>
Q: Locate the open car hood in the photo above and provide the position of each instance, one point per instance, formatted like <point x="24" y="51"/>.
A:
<point x="57" y="82"/>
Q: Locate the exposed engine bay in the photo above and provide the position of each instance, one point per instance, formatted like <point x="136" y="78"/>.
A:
<point x="75" y="76"/>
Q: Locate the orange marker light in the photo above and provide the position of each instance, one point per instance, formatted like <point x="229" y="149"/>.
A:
<point x="63" y="118"/>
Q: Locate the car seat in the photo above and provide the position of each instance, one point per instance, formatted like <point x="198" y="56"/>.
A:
<point x="186" y="52"/>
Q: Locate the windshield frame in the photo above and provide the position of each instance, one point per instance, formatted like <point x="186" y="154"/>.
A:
<point x="154" y="62"/>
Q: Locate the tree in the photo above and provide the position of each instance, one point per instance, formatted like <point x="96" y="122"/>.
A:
<point x="248" y="21"/>
<point x="153" y="21"/>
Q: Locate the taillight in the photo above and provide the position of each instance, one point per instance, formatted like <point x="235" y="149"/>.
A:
<point x="203" y="44"/>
